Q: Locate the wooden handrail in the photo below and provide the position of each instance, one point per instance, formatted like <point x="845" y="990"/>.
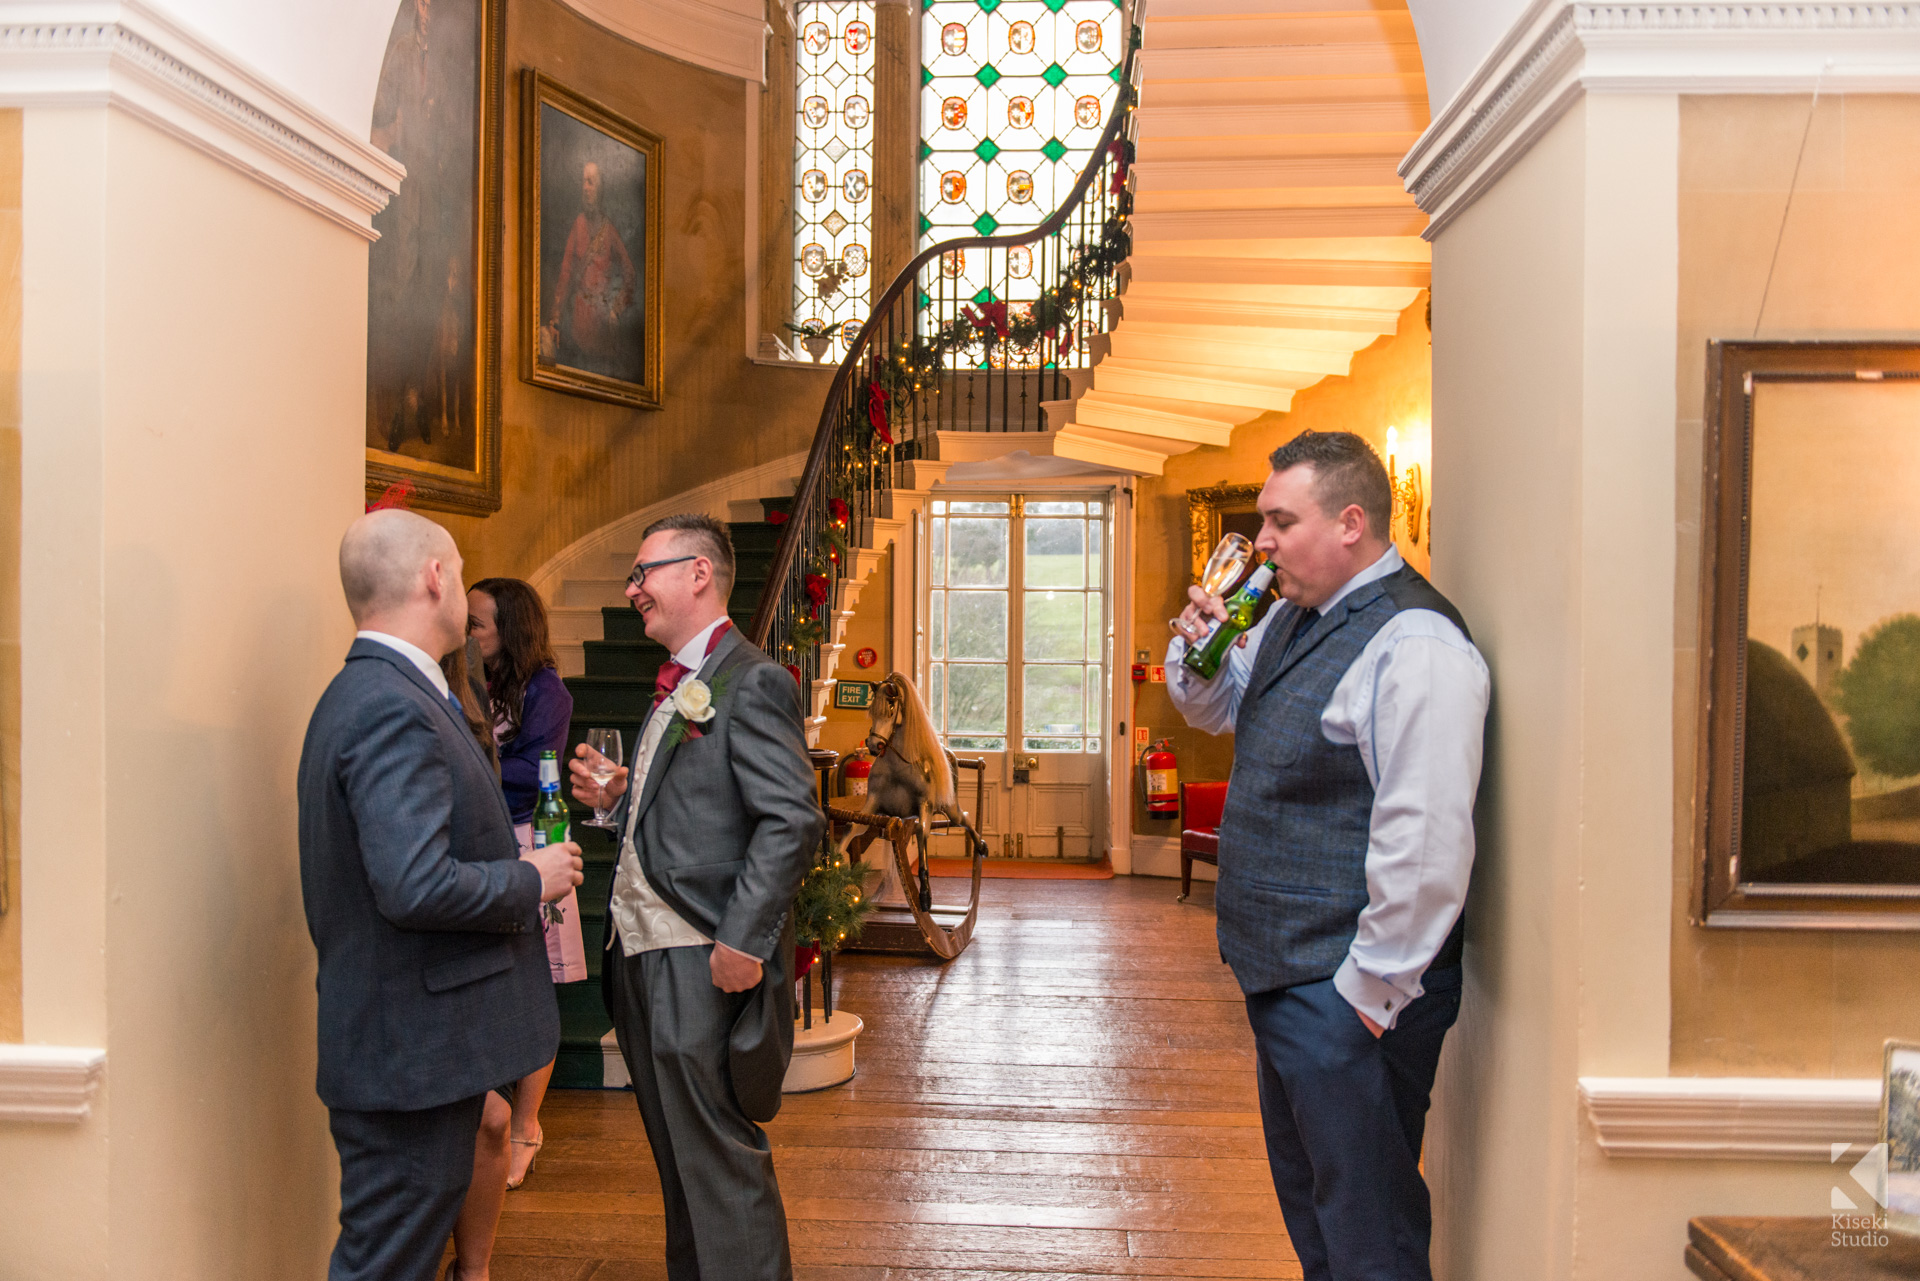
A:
<point x="810" y="478"/>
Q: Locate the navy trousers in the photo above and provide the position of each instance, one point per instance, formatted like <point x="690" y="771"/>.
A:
<point x="1344" y="1115"/>
<point x="403" y="1179"/>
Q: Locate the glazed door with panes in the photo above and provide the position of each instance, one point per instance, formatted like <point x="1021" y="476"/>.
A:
<point x="1016" y="659"/>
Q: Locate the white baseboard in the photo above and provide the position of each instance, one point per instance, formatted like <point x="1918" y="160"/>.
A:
<point x="1160" y="856"/>
<point x="1731" y="1118"/>
<point x="49" y="1082"/>
<point x="613" y="1068"/>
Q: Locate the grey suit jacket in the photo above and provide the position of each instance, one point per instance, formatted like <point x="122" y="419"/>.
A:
<point x="434" y="984"/>
<point x="728" y="824"/>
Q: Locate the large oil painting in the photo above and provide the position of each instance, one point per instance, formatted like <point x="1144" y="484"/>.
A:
<point x="590" y="249"/>
<point x="432" y="276"/>
<point x="1813" y="722"/>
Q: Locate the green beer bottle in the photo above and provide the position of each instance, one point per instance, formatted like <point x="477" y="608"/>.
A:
<point x="550" y="816"/>
<point x="1244" y="609"/>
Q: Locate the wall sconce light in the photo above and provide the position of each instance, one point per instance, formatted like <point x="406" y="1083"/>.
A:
<point x="1409" y="495"/>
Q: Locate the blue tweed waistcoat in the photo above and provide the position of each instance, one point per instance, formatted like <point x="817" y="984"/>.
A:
<point x="1293" y="838"/>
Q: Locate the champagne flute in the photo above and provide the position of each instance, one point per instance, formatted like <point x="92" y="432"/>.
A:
<point x="602" y="764"/>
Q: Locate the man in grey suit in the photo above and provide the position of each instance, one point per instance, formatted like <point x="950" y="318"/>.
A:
<point x="434" y="986"/>
<point x="699" y="971"/>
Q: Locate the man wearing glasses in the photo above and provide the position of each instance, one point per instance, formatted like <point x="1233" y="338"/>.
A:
<point x="698" y="976"/>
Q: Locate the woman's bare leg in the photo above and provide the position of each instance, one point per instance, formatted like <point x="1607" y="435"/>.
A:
<point x="527" y="1097"/>
<point x="480" y="1216"/>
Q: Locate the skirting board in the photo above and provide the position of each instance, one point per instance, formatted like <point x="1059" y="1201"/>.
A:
<point x="1731" y="1118"/>
<point x="1160" y="856"/>
<point x="49" y="1082"/>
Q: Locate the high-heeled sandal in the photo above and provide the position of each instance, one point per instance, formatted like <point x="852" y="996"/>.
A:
<point x="514" y="1184"/>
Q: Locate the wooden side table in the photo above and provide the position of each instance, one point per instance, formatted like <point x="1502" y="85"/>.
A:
<point x="1782" y="1249"/>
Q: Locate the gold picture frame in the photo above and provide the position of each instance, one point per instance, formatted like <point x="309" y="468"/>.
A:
<point x="602" y="340"/>
<point x="433" y="346"/>
<point x="1900" y="1131"/>
<point x="1211" y="510"/>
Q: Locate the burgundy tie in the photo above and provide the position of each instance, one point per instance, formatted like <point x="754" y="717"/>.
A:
<point x="669" y="677"/>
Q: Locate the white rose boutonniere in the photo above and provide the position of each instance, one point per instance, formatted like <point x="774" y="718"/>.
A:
<point x="693" y="700"/>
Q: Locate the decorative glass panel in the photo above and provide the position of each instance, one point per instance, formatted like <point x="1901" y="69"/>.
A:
<point x="833" y="158"/>
<point x="1015" y="95"/>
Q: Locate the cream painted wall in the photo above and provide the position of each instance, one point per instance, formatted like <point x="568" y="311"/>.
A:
<point x="1565" y="313"/>
<point x="192" y="371"/>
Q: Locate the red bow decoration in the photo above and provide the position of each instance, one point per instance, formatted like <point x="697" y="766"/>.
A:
<point x="395" y="496"/>
<point x="777" y="518"/>
<point x="877" y="413"/>
<point x="1119" y="152"/>
<point x="992" y="315"/>
<point x="793" y="669"/>
<point x="837" y="508"/>
<point x="817" y="591"/>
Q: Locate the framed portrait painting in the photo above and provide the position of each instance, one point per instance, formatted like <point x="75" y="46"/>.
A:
<point x="1808" y="775"/>
<point x="590" y="250"/>
<point x="433" y="368"/>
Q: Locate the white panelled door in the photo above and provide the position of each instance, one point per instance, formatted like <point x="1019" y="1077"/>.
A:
<point x="1017" y="651"/>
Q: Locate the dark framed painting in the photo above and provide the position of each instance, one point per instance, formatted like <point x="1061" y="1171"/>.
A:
<point x="590" y="249"/>
<point x="1807" y="809"/>
<point x="433" y="282"/>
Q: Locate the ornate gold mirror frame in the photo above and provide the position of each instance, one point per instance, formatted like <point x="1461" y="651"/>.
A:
<point x="1207" y="506"/>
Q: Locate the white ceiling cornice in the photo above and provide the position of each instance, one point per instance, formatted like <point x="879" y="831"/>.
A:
<point x="728" y="36"/>
<point x="126" y="54"/>
<point x="1558" y="51"/>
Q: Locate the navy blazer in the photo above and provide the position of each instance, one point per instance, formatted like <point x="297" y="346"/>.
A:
<point x="434" y="984"/>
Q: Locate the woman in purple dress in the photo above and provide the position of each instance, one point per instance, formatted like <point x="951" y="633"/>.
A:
<point x="531" y="710"/>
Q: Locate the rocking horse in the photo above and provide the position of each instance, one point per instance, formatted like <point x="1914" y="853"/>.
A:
<point x="912" y="781"/>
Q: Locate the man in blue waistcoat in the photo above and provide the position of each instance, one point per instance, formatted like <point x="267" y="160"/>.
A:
<point x="1357" y="707"/>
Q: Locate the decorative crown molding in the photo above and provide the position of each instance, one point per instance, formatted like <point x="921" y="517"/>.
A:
<point x="1559" y="50"/>
<point x="1731" y="1118"/>
<point x="728" y="36"/>
<point x="124" y="54"/>
<point x="48" y="1082"/>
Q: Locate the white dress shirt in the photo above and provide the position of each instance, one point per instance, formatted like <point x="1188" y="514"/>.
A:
<point x="641" y="918"/>
<point x="414" y="654"/>
<point x="1415" y="704"/>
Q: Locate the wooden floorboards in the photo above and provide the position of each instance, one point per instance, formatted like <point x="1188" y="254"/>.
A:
<point x="1073" y="1097"/>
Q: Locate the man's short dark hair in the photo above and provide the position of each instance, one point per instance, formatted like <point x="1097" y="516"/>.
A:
<point x="1346" y="473"/>
<point x="701" y="535"/>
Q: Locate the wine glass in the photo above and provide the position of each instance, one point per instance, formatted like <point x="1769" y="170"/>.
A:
<point x="602" y="764"/>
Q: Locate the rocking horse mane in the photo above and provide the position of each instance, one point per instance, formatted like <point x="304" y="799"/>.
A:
<point x="913" y="739"/>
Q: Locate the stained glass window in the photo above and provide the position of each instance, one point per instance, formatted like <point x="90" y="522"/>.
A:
<point x="833" y="165"/>
<point x="1014" y="95"/>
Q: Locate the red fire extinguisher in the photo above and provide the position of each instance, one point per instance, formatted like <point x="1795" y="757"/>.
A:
<point x="1163" y="780"/>
<point x="854" y="776"/>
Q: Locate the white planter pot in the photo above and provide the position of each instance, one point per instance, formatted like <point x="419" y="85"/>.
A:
<point x="822" y="1054"/>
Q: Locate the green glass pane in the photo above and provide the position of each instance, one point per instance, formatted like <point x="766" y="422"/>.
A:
<point x="1056" y="626"/>
<point x="937" y="624"/>
<point x="979" y="552"/>
<point x="988" y="5"/>
<point x="986" y="149"/>
<point x="1056" y="5"/>
<point x="1114" y="75"/>
<point x="1094" y="629"/>
<point x="937" y="553"/>
<point x="977" y="625"/>
<point x="926" y="149"/>
<point x="981" y="299"/>
<point x="976" y="699"/>
<point x="926" y="75"/>
<point x="1056" y="553"/>
<point x="986" y="224"/>
<point x="926" y="224"/>
<point x="987" y="76"/>
<point x="1055" y="75"/>
<point x="1054" y="149"/>
<point x="1055" y="700"/>
<point x="920" y="299"/>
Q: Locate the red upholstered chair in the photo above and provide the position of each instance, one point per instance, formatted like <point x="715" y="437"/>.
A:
<point x="1200" y="807"/>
